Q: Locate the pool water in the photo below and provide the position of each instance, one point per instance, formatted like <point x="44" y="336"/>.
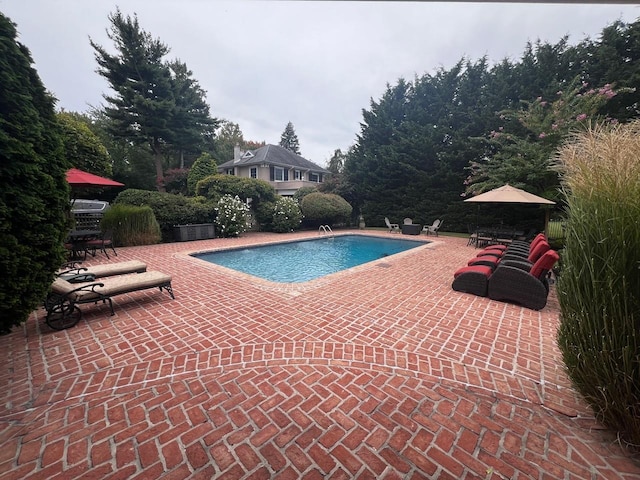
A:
<point x="305" y="260"/>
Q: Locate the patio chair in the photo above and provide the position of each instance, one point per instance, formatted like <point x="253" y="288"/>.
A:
<point x="393" y="227"/>
<point x="407" y="221"/>
<point x="64" y="297"/>
<point x="73" y="272"/>
<point x="433" y="228"/>
<point x="522" y="285"/>
<point x="104" y="241"/>
<point x="493" y="260"/>
<point x="517" y="282"/>
<point x="473" y="235"/>
<point x="518" y="250"/>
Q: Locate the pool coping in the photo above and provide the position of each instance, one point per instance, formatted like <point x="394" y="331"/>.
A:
<point x="295" y="289"/>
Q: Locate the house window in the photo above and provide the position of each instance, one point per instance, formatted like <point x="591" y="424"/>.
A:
<point x="314" y="177"/>
<point x="278" y="174"/>
<point x="230" y="171"/>
<point x="254" y="172"/>
<point x="298" y="175"/>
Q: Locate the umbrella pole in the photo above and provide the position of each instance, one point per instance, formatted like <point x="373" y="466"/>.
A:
<point x="546" y="221"/>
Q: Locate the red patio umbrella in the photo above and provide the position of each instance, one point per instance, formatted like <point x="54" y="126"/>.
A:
<point x="80" y="178"/>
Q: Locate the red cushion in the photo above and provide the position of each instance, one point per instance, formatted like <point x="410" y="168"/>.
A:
<point x="475" y="268"/>
<point x="496" y="247"/>
<point x="487" y="258"/>
<point x="544" y="263"/>
<point x="537" y="252"/>
<point x="538" y="238"/>
<point x="491" y="251"/>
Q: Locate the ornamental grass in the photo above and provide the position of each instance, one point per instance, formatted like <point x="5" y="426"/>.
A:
<point x="599" y="287"/>
<point x="131" y="225"/>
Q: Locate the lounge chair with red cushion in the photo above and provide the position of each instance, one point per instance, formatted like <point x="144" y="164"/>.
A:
<point x="522" y="285"/>
<point x="492" y="261"/>
<point x="513" y="281"/>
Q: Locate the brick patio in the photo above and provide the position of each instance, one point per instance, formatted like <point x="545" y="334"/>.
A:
<point x="381" y="371"/>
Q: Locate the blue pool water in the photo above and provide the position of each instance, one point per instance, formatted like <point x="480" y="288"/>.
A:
<point x="305" y="260"/>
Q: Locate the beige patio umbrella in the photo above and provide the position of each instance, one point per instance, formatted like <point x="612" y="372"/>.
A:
<point x="509" y="194"/>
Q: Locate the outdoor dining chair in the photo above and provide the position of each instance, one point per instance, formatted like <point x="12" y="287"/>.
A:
<point x="104" y="241"/>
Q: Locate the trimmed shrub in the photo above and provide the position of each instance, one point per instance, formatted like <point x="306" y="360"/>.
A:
<point x="204" y="166"/>
<point x="34" y="193"/>
<point x="264" y="215"/>
<point x="232" y="216"/>
<point x="286" y="215"/>
<point x="131" y="225"/>
<point x="170" y="209"/>
<point x="215" y="186"/>
<point x="303" y="192"/>
<point x="325" y="208"/>
<point x="259" y="191"/>
<point x="599" y="285"/>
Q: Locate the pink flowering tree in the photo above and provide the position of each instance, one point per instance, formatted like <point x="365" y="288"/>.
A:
<point x="521" y="151"/>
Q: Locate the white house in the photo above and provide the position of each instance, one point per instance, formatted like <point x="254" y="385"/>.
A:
<point x="282" y="168"/>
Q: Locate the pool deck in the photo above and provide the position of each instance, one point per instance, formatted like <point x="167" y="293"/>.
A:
<point x="380" y="371"/>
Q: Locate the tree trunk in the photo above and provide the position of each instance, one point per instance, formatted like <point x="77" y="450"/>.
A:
<point x="157" y="160"/>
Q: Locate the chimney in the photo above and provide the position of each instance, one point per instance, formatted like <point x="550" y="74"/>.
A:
<point x="236" y="153"/>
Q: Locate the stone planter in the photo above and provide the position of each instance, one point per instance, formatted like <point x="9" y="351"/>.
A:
<point x="196" y="231"/>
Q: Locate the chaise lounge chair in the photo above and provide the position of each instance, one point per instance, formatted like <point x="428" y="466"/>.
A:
<point x="63" y="299"/>
<point x="512" y="281"/>
<point x="522" y="285"/>
<point x="74" y="272"/>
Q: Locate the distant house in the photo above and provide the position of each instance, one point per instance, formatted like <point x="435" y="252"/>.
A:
<point x="283" y="169"/>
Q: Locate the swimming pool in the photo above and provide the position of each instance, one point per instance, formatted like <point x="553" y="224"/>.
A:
<point x="304" y="260"/>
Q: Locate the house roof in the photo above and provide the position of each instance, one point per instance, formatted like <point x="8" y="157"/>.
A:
<point x="273" y="155"/>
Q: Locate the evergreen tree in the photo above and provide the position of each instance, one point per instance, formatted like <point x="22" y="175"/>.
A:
<point x="82" y="147"/>
<point x="34" y="194"/>
<point x="204" y="166"/>
<point x="289" y="139"/>
<point x="336" y="182"/>
<point x="417" y="142"/>
<point x="155" y="103"/>
<point x="191" y="122"/>
<point x="130" y="162"/>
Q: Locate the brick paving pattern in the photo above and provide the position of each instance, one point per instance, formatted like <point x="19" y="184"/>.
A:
<point x="381" y="371"/>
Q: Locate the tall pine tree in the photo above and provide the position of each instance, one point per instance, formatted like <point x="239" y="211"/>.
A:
<point x="143" y="102"/>
<point x="154" y="103"/>
<point x="289" y="139"/>
<point x="191" y="122"/>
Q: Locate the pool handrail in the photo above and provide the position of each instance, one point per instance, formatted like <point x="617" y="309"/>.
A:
<point x="325" y="230"/>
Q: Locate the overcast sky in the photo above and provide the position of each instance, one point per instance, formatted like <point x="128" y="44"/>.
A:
<point x="315" y="64"/>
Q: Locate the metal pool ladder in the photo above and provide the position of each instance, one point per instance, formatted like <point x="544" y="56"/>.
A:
<point x="325" y="230"/>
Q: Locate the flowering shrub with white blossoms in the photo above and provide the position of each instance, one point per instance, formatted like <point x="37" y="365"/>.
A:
<point x="286" y="215"/>
<point x="232" y="216"/>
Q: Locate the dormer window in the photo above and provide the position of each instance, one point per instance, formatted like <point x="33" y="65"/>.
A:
<point x="247" y="154"/>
